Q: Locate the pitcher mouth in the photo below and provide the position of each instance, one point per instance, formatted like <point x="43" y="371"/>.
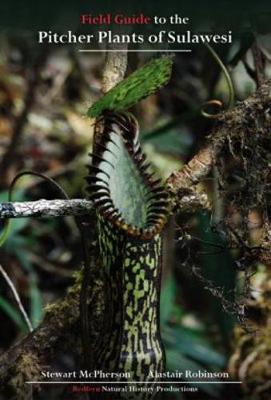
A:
<point x="120" y="184"/>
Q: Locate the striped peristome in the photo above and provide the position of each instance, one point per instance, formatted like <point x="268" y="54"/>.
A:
<point x="131" y="210"/>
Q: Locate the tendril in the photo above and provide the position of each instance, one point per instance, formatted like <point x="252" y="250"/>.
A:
<point x="217" y="103"/>
<point x="213" y="103"/>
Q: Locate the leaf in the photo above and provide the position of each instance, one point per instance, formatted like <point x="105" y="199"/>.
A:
<point x="13" y="314"/>
<point x="167" y="300"/>
<point x="36" y="301"/>
<point x="194" y="347"/>
<point x="34" y="292"/>
<point x="18" y="224"/>
<point x="217" y="266"/>
<point x="18" y="194"/>
<point x="7" y="228"/>
<point x="171" y="141"/>
<point x="176" y="361"/>
<point x="140" y="84"/>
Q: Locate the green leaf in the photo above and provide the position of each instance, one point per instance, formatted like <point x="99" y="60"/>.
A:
<point x="34" y="292"/>
<point x="142" y="83"/>
<point x="171" y="141"/>
<point x="18" y="194"/>
<point x="191" y="346"/>
<point x="7" y="228"/>
<point x="36" y="301"/>
<point x="168" y="296"/>
<point x="176" y="361"/>
<point x="13" y="314"/>
<point x="18" y="224"/>
<point x="217" y="266"/>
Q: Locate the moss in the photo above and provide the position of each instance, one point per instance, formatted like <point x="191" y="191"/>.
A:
<point x="251" y="361"/>
<point x="244" y="158"/>
<point x="27" y="368"/>
<point x="69" y="301"/>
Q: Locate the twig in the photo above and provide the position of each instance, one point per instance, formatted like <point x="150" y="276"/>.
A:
<point x="77" y="207"/>
<point x="45" y="208"/>
<point x="194" y="171"/>
<point x="17" y="298"/>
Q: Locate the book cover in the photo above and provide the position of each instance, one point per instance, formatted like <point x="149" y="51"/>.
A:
<point x="135" y="200"/>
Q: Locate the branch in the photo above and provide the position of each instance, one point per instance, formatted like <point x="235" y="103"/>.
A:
<point x="232" y="121"/>
<point x="78" y="207"/>
<point x="115" y="68"/>
<point x="114" y="72"/>
<point x="45" y="208"/>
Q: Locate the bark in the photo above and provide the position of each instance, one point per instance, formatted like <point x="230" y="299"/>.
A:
<point x="115" y="68"/>
<point x="78" y="207"/>
<point x="45" y="208"/>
